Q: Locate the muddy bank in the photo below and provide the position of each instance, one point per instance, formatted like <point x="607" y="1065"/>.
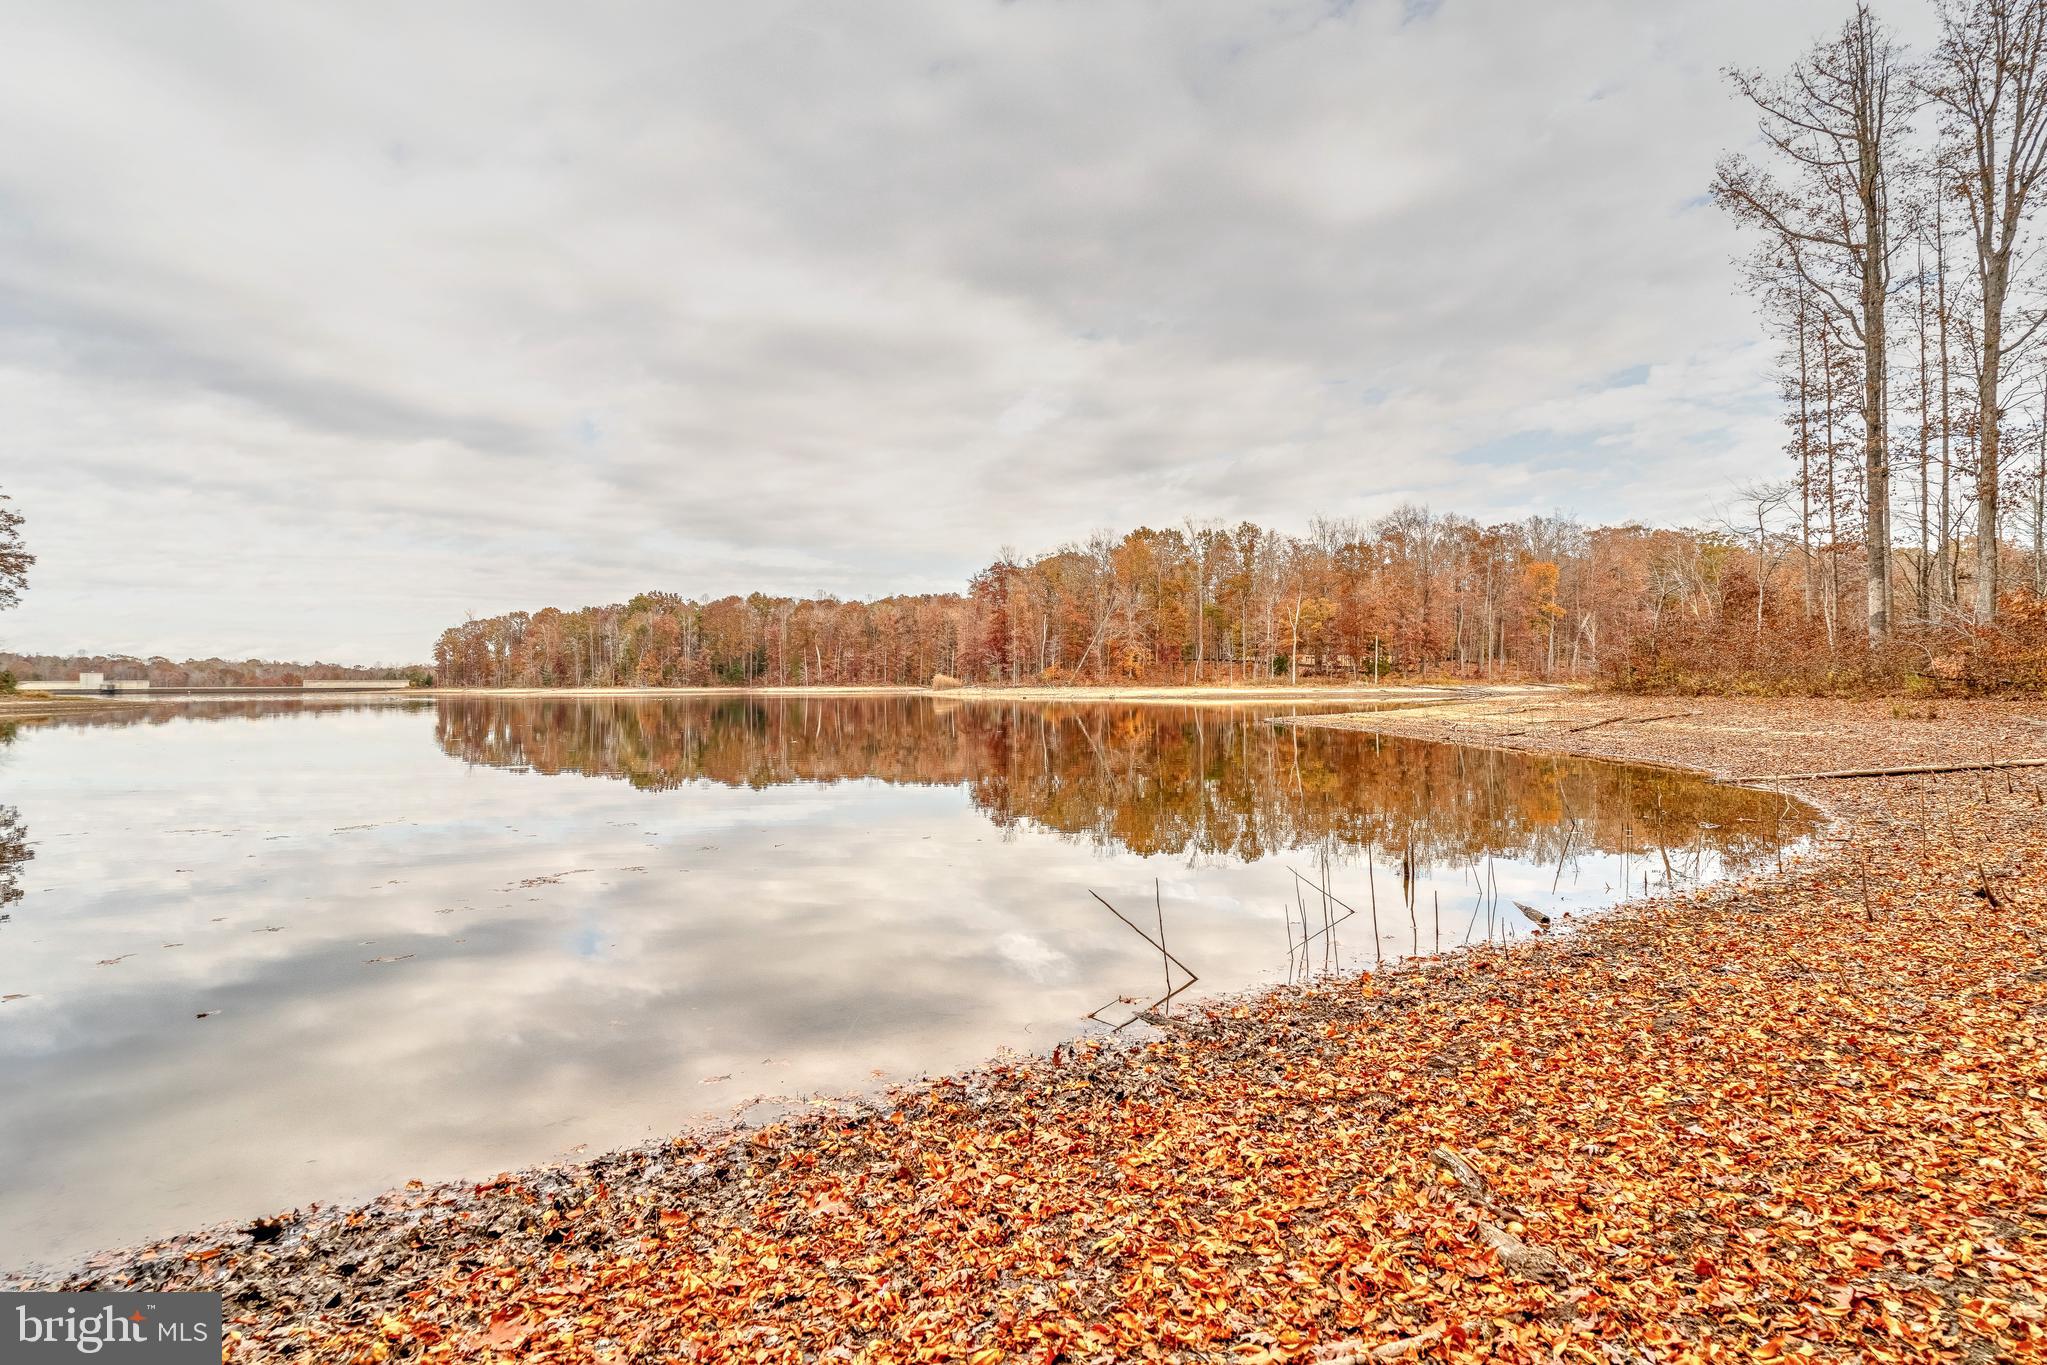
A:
<point x="19" y="706"/>
<point x="1799" y="1113"/>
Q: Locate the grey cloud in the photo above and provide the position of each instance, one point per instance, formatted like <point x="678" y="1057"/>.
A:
<point x="319" y="328"/>
<point x="43" y="329"/>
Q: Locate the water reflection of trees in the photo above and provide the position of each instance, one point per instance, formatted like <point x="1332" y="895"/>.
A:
<point x="14" y="851"/>
<point x="162" y="711"/>
<point x="1152" y="779"/>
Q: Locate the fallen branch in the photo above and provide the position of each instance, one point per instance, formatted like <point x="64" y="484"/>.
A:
<point x="1531" y="912"/>
<point x="1467" y="1174"/>
<point x="1906" y="770"/>
<point x="1516" y="1255"/>
<point x="1631" y="720"/>
<point x="1407" y="1346"/>
<point x="1392" y="1350"/>
<point x="1521" y="1258"/>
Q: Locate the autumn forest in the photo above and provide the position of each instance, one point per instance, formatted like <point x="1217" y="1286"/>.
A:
<point x="1413" y="595"/>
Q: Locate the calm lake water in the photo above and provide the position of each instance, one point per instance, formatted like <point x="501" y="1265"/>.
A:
<point x="257" y="954"/>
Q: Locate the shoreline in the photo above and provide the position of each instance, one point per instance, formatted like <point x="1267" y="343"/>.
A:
<point x="687" y="1211"/>
<point x="44" y="706"/>
<point x="17" y="706"/>
<point x="1205" y="693"/>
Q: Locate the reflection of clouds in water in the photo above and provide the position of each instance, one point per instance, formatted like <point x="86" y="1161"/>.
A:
<point x="1032" y="955"/>
<point x="791" y="934"/>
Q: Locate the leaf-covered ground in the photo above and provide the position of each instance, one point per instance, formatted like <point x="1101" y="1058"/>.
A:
<point x="1803" y="1115"/>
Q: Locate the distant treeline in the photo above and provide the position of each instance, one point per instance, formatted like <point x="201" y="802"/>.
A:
<point x="1415" y="594"/>
<point x="161" y="672"/>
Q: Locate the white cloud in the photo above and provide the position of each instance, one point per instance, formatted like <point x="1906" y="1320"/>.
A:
<point x="320" y="328"/>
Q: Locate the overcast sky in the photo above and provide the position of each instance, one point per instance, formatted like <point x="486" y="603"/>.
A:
<point x="324" y="325"/>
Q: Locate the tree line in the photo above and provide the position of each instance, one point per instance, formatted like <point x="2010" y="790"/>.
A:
<point x="162" y="672"/>
<point x="1203" y="603"/>
<point x="1414" y="594"/>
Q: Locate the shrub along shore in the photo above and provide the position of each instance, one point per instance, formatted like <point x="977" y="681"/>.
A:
<point x="1795" y="1115"/>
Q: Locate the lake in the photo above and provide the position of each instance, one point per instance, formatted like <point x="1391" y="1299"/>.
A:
<point x="261" y="953"/>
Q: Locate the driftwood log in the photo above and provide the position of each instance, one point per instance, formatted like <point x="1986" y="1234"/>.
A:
<point x="1516" y="1255"/>
<point x="1629" y="720"/>
<point x="1521" y="1258"/>
<point x="1392" y="1350"/>
<point x="1905" y="770"/>
<point x="1468" y="1178"/>
<point x="1538" y="916"/>
<point x="1406" y="1346"/>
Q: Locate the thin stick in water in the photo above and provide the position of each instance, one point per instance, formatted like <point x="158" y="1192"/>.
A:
<point x="1158" y="897"/>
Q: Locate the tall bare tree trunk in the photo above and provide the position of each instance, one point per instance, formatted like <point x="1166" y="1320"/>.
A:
<point x="1947" y="462"/>
<point x="1876" y="450"/>
<point x="1922" y="578"/>
<point x="1989" y="76"/>
<point x="1835" y="123"/>
<point x="1832" y="605"/>
<point x="1804" y="456"/>
<point x="1996" y="280"/>
<point x="2040" y="497"/>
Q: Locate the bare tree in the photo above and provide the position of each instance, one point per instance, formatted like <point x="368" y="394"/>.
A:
<point x="1835" y="125"/>
<point x="1988" y="75"/>
<point x="1201" y="539"/>
<point x="1943" y="316"/>
<point x="1788" y="306"/>
<point x="1760" y="502"/>
<point x="14" y="557"/>
<point x="1922" y="574"/>
<point x="2039" y="482"/>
